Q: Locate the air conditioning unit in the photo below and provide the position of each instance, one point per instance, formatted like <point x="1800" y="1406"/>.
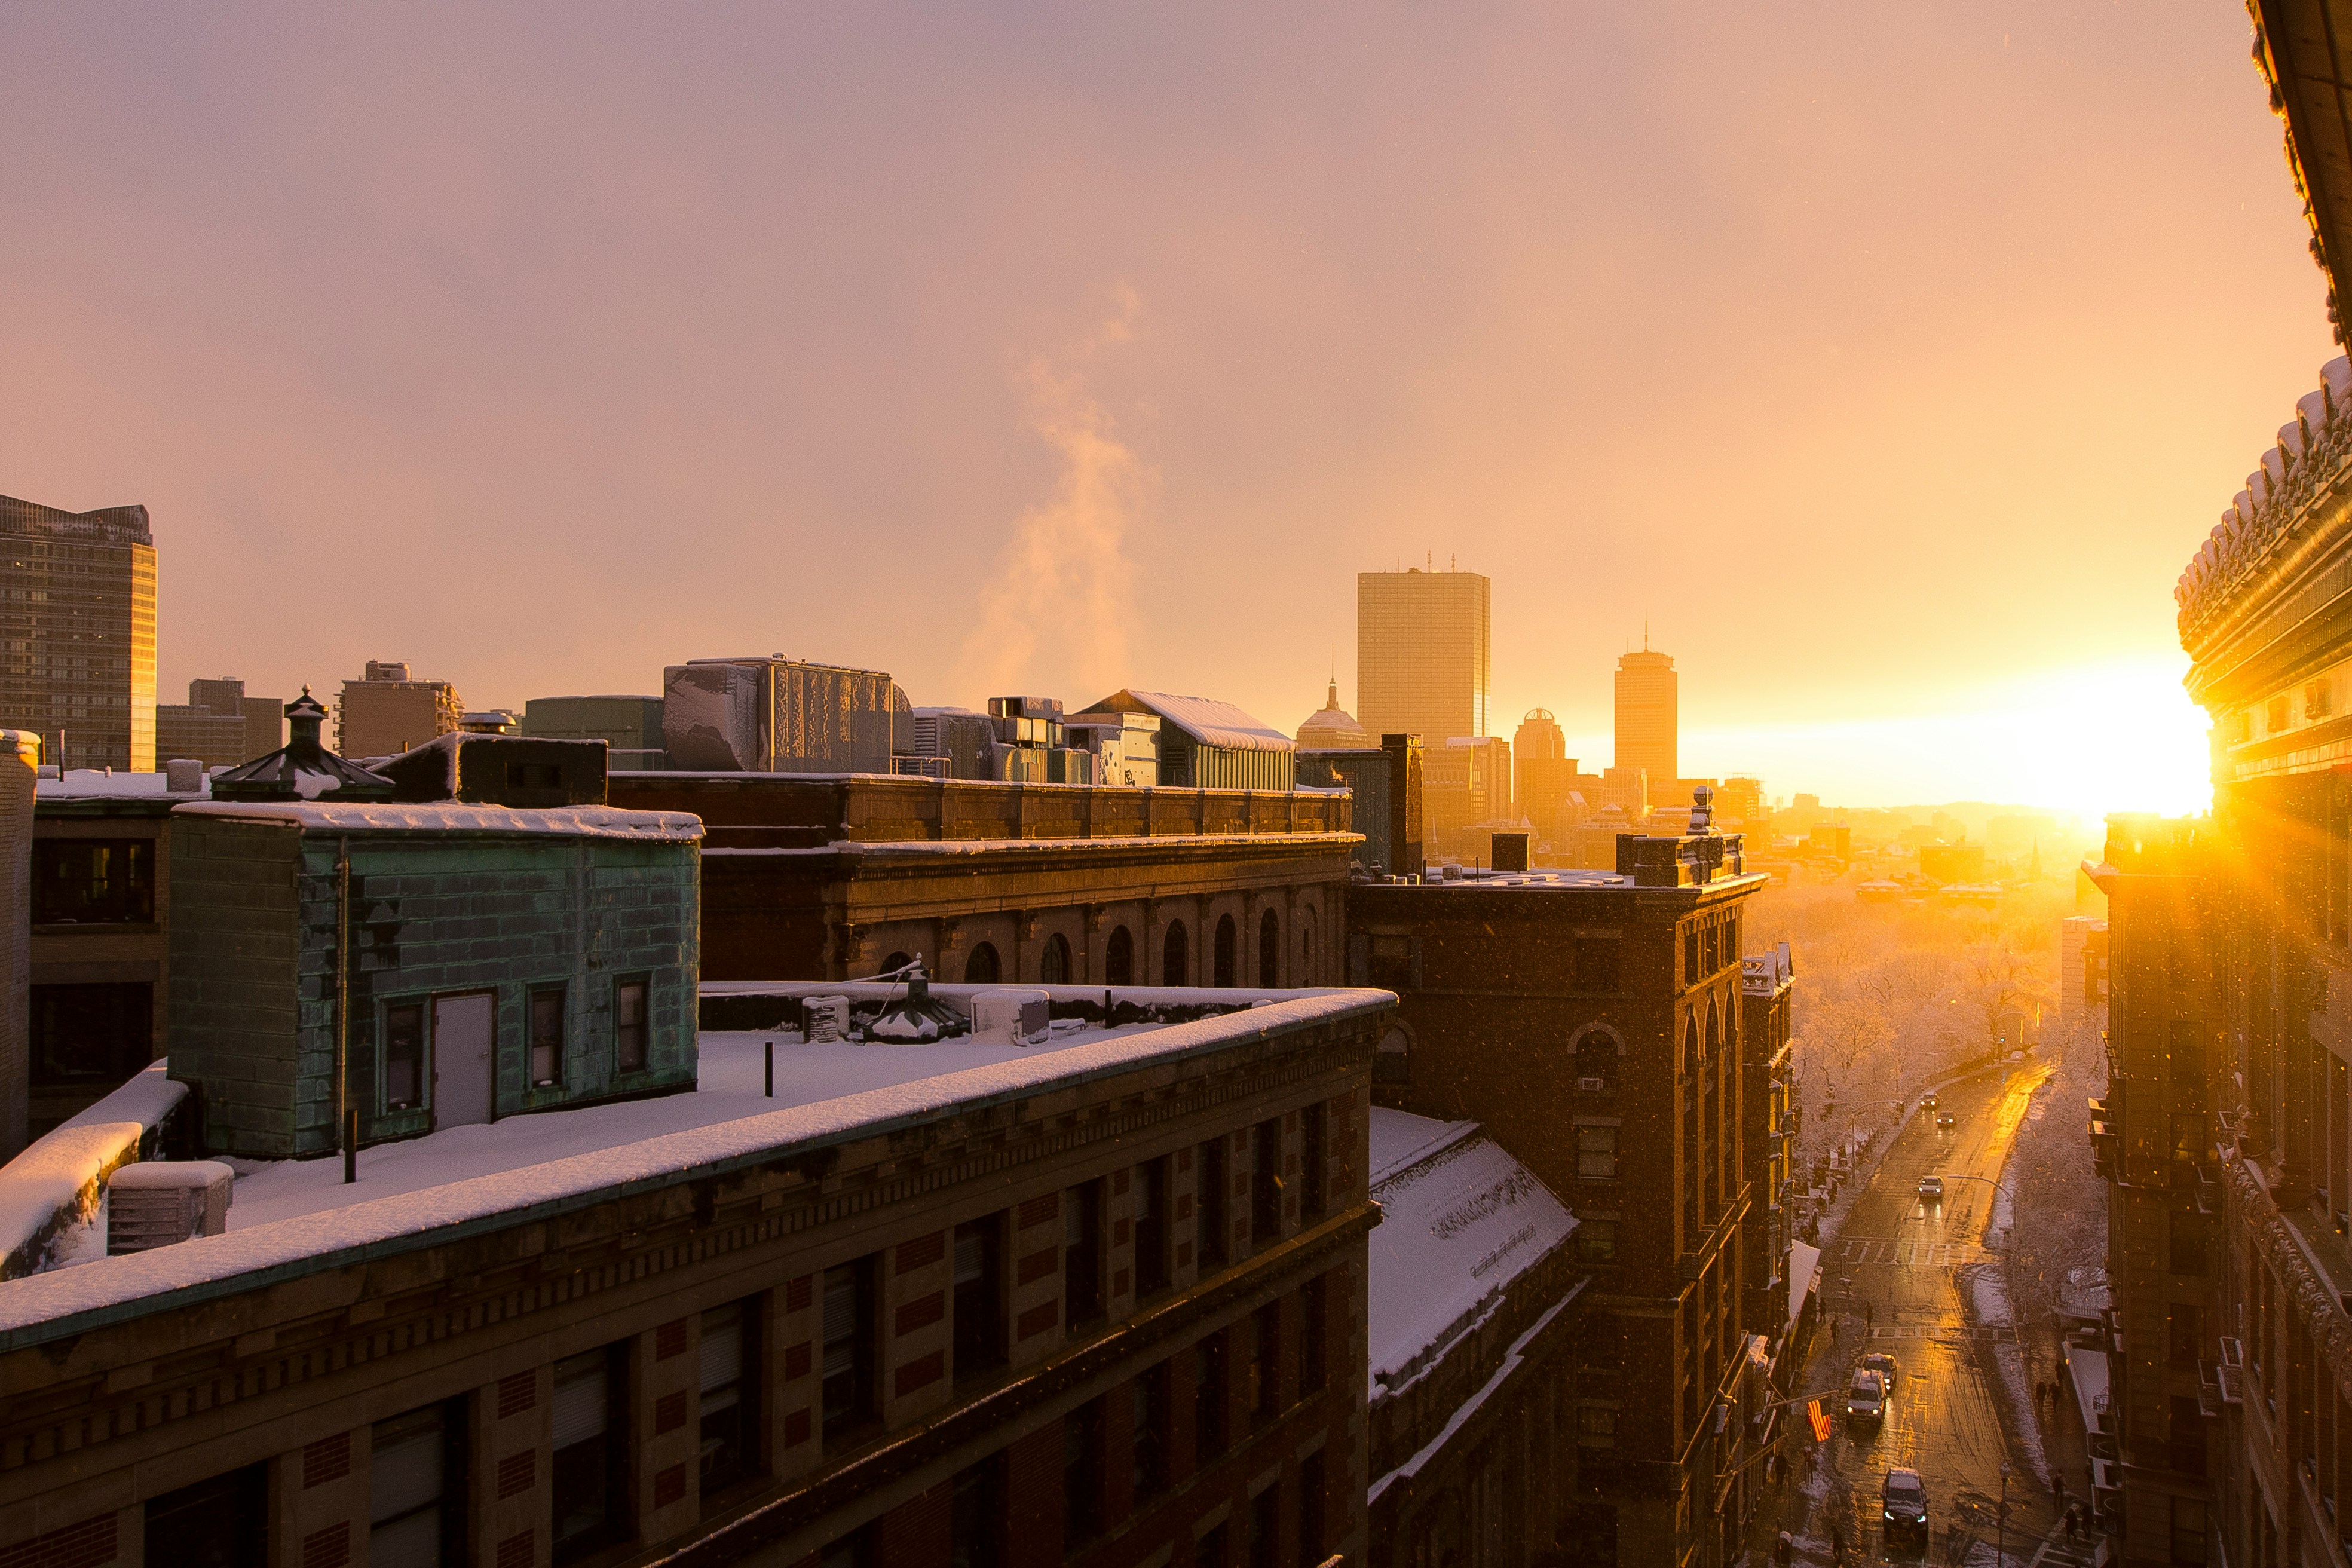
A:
<point x="158" y="1201"/>
<point x="1593" y="1085"/>
<point x="824" y="1019"/>
<point x="1012" y="1016"/>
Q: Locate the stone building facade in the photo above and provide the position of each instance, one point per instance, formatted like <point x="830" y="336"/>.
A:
<point x="1592" y="1021"/>
<point x="1098" y="1306"/>
<point x="807" y="877"/>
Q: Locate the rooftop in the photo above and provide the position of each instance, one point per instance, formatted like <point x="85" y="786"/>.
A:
<point x="1207" y="720"/>
<point x="293" y="1218"/>
<point x="456" y="817"/>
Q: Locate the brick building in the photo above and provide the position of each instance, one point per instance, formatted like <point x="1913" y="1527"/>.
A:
<point x="810" y="877"/>
<point x="385" y="713"/>
<point x="219" y="725"/>
<point x="1098" y="1301"/>
<point x="1591" y="1023"/>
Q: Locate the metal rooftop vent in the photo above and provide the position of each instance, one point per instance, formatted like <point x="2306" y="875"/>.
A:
<point x="158" y="1201"/>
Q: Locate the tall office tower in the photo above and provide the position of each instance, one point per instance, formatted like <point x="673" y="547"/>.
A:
<point x="78" y="632"/>
<point x="1422" y="657"/>
<point x="1647" y="714"/>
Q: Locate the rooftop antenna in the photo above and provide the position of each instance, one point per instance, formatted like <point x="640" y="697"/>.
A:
<point x="1429" y="560"/>
<point x="1452" y="562"/>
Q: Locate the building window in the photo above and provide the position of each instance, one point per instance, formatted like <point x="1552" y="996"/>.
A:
<point x="93" y="882"/>
<point x="2280" y="715"/>
<point x="1314" y="1541"/>
<point x="1596" y="1240"/>
<point x="1082" y="1284"/>
<point x="2318" y="698"/>
<point x="1731" y="940"/>
<point x="93" y="1036"/>
<point x="1265" y="1185"/>
<point x="220" y="1523"/>
<point x="1208" y="1400"/>
<point x="1596" y="1154"/>
<point x="980" y="968"/>
<point x="1175" y="963"/>
<point x="403" y="1056"/>
<point x="591" y="1452"/>
<point x="1082" y="1473"/>
<point x="1266" y="1363"/>
<point x="2186" y="1242"/>
<point x="1314" y="1355"/>
<point x="2184" y="1324"/>
<point x="848" y="1348"/>
<point x="1314" y="1197"/>
<point x="1710" y="953"/>
<point x="2189" y="1543"/>
<point x="1690" y="955"/>
<point x="976" y="1515"/>
<point x="1150" y="1412"/>
<point x="629" y="1023"/>
<point x="1393" y="1061"/>
<point x="980" y="1296"/>
<point x="1054" y="967"/>
<point x="855" y="1549"/>
<point x="547" y="1038"/>
<point x="730" y="1410"/>
<point x="1596" y="1427"/>
<point x="1596" y="1062"/>
<point x="1269" y="949"/>
<point x="1212" y="1229"/>
<point x="1595" y="962"/>
<point x="1152" y="1273"/>
<point x="1118" y="958"/>
<point x="1308" y="969"/>
<point x="1208" y="1551"/>
<point x="1265" y="1527"/>
<point x="1225" y="956"/>
<point x="1393" y="966"/>
<point x="415" y="1509"/>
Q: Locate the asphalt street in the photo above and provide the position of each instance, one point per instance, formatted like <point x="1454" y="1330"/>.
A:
<point x="1895" y="1280"/>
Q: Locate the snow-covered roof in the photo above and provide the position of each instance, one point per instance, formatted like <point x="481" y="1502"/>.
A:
<point x="295" y="1214"/>
<point x="1208" y="722"/>
<point x="1461" y="1220"/>
<point x="56" y="1181"/>
<point x="92" y="784"/>
<point x="458" y="817"/>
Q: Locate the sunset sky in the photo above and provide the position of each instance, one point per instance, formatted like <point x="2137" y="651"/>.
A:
<point x="1889" y="360"/>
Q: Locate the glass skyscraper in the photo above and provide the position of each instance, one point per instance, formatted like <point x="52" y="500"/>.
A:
<point x="1423" y="657"/>
<point x="78" y="633"/>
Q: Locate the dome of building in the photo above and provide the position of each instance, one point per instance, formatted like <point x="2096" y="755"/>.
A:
<point x="1333" y="728"/>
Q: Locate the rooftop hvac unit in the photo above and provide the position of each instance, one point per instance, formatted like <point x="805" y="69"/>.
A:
<point x="923" y="767"/>
<point x="824" y="1019"/>
<point x="1012" y="1016"/>
<point x="160" y="1202"/>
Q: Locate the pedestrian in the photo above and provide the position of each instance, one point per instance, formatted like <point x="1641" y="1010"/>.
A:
<point x="1869" y="1316"/>
<point x="1837" y="1544"/>
<point x="2070" y="1524"/>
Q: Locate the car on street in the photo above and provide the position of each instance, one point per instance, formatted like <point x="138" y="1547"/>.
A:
<point x="1884" y="1365"/>
<point x="1946" y="1122"/>
<point x="1931" y="1189"/>
<point x="1903" y="1504"/>
<point x="1866" y="1400"/>
<point x="1927" y="1103"/>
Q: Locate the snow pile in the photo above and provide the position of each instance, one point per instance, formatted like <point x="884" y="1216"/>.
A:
<point x="57" y="1185"/>
<point x="1989" y="1308"/>
<point x="1461" y="1220"/>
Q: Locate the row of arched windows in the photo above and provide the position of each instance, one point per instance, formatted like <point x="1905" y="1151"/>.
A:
<point x="984" y="966"/>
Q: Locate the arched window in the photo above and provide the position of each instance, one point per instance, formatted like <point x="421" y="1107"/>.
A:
<point x="1053" y="969"/>
<point x="1269" y="949"/>
<point x="1392" y="1060"/>
<point x="1118" y="959"/>
<point x="1226" y="962"/>
<point x="1714" y="1030"/>
<point x="1690" y="1044"/>
<point x="895" y="963"/>
<point x="1175" y="958"/>
<point x="1596" y="1062"/>
<point x="980" y="968"/>
<point x="1309" y="972"/>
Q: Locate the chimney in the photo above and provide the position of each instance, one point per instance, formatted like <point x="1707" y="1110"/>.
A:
<point x="158" y="1201"/>
<point x="1510" y="852"/>
<point x="183" y="775"/>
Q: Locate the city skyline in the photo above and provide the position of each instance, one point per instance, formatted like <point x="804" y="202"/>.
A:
<point x="360" y="336"/>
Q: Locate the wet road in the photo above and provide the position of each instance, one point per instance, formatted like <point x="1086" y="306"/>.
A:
<point x="1895" y="1280"/>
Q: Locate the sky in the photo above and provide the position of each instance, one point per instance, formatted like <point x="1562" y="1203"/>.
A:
<point x="1888" y="361"/>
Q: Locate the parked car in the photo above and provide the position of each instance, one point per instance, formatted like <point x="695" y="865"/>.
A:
<point x="1866" y="1400"/>
<point x="1903" y="1504"/>
<point x="1931" y="1189"/>
<point x="1884" y="1365"/>
<point x="1946" y="1122"/>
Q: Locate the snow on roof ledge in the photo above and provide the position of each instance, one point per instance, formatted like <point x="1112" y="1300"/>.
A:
<point x="457" y="816"/>
<point x="59" y="1181"/>
<point x="61" y="1302"/>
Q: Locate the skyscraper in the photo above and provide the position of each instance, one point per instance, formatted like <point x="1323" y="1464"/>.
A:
<point x="78" y="632"/>
<point x="1648" y="712"/>
<point x="1422" y="656"/>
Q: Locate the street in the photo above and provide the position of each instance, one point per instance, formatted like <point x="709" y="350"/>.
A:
<point x="1895" y="1280"/>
